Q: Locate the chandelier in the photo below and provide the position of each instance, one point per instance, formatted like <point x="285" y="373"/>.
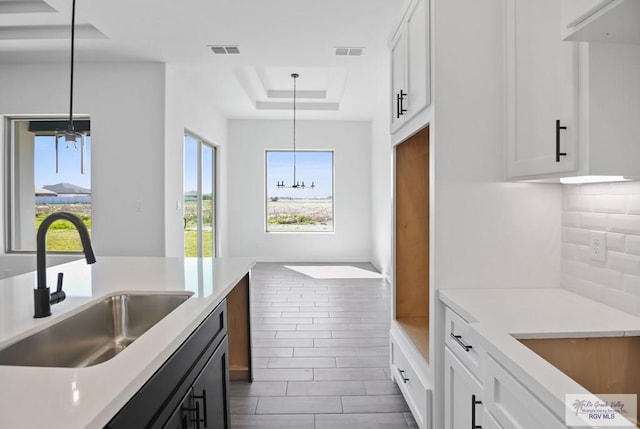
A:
<point x="296" y="184"/>
<point x="69" y="134"/>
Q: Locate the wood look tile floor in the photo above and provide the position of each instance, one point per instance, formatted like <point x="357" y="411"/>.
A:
<point x="320" y="354"/>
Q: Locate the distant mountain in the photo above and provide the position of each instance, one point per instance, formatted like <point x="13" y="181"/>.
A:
<point x="67" y="188"/>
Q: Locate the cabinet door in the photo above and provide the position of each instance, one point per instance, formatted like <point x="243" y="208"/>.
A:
<point x="210" y="391"/>
<point x="418" y="87"/>
<point x="398" y="77"/>
<point x="183" y="416"/>
<point x="463" y="395"/>
<point x="542" y="88"/>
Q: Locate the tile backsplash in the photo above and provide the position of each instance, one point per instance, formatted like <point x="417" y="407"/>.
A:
<point x="612" y="208"/>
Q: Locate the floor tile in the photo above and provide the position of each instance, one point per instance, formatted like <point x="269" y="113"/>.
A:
<point x="338" y="342"/>
<point x="243" y="404"/>
<point x="258" y="388"/>
<point x="299" y="405"/>
<point x="327" y="374"/>
<point x="272" y="352"/>
<point x="302" y="362"/>
<point x="282" y="374"/>
<point x="282" y="342"/>
<point x="325" y="388"/>
<point x="273" y="421"/>
<point x="361" y="421"/>
<point x="325" y="351"/>
<point x="381" y="387"/>
<point x="303" y="334"/>
<point x="374" y="404"/>
<point x="362" y="362"/>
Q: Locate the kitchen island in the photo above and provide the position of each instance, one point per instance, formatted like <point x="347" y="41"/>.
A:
<point x="90" y="397"/>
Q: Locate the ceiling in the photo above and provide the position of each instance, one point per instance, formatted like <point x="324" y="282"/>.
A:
<point x="275" y="38"/>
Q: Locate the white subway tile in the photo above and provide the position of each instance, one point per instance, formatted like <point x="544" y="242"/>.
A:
<point x="628" y="264"/>
<point x="583" y="287"/>
<point x="627" y="224"/>
<point x="571" y="190"/>
<point x="623" y="301"/>
<point x="577" y="269"/>
<point x="571" y="219"/>
<point x="605" y="277"/>
<point x="615" y="241"/>
<point x="633" y="204"/>
<point x="610" y="204"/>
<point x="597" y="221"/>
<point x="578" y="203"/>
<point x="575" y="252"/>
<point x="633" y="244"/>
<point x="575" y="235"/>
<point x="596" y="189"/>
<point x="625" y="188"/>
<point x="632" y="284"/>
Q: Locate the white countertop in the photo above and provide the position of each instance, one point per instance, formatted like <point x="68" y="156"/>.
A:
<point x="89" y="397"/>
<point x="500" y="316"/>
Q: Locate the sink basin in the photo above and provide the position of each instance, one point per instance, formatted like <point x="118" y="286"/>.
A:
<point x="95" y="334"/>
<point x="602" y="365"/>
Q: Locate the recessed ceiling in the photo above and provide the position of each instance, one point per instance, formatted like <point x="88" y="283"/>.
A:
<point x="275" y="39"/>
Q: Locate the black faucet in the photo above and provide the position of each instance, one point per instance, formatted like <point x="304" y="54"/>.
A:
<point x="42" y="300"/>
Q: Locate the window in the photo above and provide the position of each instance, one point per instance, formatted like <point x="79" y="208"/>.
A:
<point x="199" y="197"/>
<point x="44" y="179"/>
<point x="308" y="209"/>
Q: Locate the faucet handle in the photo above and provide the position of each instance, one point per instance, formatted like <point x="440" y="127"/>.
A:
<point x="58" y="295"/>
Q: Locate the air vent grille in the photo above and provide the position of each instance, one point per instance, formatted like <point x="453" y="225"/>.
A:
<point x="349" y="51"/>
<point x="222" y="49"/>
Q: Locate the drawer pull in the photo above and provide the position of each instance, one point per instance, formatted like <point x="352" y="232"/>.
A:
<point x="458" y="339"/>
<point x="404" y="379"/>
<point x="473" y="412"/>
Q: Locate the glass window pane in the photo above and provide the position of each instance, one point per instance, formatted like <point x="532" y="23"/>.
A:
<point x="308" y="209"/>
<point x="190" y="196"/>
<point x="207" y="201"/>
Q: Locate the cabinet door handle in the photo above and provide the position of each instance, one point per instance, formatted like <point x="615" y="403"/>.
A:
<point x="193" y="410"/>
<point x="458" y="339"/>
<point x="558" y="128"/>
<point x="474" y="402"/>
<point x="204" y="408"/>
<point x="403" y="95"/>
<point x="401" y="372"/>
<point x="398" y="106"/>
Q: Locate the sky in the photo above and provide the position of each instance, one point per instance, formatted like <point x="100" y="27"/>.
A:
<point x="316" y="167"/>
<point x="69" y="163"/>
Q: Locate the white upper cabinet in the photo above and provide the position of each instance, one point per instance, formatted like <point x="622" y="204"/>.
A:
<point x="542" y="91"/>
<point x="410" y="65"/>
<point x="601" y="20"/>
<point x="572" y="108"/>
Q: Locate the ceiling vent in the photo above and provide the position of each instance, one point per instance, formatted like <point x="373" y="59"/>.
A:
<point x="349" y="51"/>
<point x="219" y="49"/>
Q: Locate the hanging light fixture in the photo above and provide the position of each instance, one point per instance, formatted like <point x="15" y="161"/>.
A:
<point x="296" y="184"/>
<point x="69" y="134"/>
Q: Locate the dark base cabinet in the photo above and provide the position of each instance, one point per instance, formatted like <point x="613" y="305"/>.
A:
<point x="191" y="389"/>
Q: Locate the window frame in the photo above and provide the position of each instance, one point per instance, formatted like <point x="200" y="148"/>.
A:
<point x="215" y="166"/>
<point x="10" y="170"/>
<point x="265" y="217"/>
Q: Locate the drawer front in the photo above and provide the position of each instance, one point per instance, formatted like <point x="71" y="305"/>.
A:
<point x="464" y="343"/>
<point x="418" y="397"/>
<point x="513" y="406"/>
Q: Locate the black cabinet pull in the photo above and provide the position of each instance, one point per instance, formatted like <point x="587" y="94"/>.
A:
<point x="191" y="411"/>
<point x="401" y="372"/>
<point x="398" y="106"/>
<point x="473" y="412"/>
<point x="458" y="339"/>
<point x="558" y="128"/>
<point x="403" y="95"/>
<point x="204" y="407"/>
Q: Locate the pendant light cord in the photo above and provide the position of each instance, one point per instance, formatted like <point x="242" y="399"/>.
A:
<point x="294" y="126"/>
<point x="73" y="34"/>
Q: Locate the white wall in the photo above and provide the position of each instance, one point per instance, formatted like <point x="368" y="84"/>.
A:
<point x="126" y="105"/>
<point x="351" y="141"/>
<point x="188" y="109"/>
<point x="612" y="208"/>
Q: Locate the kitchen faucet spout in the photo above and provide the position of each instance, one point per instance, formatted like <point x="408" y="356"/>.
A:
<point x="42" y="299"/>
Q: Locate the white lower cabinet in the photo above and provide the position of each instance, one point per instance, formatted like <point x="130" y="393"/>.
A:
<point x="464" y="395"/>
<point x="489" y="422"/>
<point x="513" y="406"/>
<point x="414" y="390"/>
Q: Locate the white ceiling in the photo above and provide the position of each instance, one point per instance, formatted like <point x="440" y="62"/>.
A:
<point x="275" y="38"/>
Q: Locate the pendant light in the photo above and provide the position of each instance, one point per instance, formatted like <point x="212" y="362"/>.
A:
<point x="296" y="184"/>
<point x="70" y="135"/>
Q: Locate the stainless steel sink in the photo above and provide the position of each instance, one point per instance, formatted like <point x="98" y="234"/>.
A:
<point x="94" y="335"/>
